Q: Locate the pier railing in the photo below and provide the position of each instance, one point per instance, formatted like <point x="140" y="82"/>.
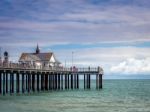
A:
<point x="54" y="68"/>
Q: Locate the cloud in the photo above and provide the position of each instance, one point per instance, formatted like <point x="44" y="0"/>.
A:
<point x="105" y="57"/>
<point x="132" y="66"/>
<point x="80" y="25"/>
<point x="73" y="21"/>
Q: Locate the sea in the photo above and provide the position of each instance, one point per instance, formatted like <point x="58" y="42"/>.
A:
<point x="116" y="96"/>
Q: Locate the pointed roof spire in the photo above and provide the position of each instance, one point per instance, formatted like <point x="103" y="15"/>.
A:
<point x="37" y="49"/>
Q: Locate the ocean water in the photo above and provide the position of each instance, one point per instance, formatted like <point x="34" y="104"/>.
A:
<point x="116" y="96"/>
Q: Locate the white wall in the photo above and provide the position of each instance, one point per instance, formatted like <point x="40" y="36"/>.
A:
<point x="52" y="59"/>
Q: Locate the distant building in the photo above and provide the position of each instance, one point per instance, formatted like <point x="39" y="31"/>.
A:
<point x="39" y="60"/>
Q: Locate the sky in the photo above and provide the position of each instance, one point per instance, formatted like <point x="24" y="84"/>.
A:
<point x="113" y="34"/>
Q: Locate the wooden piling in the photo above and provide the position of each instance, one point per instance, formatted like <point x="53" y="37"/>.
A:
<point x="6" y="82"/>
<point x="84" y="82"/>
<point x="89" y="81"/>
<point x="0" y="82"/>
<point x="97" y="81"/>
<point x="58" y="81"/>
<point x="46" y="81"/>
<point x="42" y="81"/>
<point x="68" y="81"/>
<point x="38" y="81"/>
<point x="49" y="81"/>
<point x="62" y="81"/>
<point x="53" y="81"/>
<point x="10" y="84"/>
<point x="65" y="81"/>
<point x="77" y="81"/>
<point x="26" y="81"/>
<point x="17" y="82"/>
<point x="22" y="82"/>
<point x="33" y="81"/>
<point x="71" y="81"/>
<point x="3" y="83"/>
<point x="29" y="82"/>
<point x="100" y="81"/>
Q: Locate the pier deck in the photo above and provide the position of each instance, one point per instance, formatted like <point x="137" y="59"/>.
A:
<point x="26" y="80"/>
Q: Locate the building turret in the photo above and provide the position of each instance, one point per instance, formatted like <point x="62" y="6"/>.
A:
<point x="6" y="57"/>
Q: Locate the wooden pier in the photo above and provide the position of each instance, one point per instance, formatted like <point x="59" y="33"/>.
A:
<point x="26" y="80"/>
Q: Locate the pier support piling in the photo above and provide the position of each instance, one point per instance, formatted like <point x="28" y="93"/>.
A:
<point x="84" y="82"/>
<point x="26" y="81"/>
<point x="71" y="81"/>
<point x="10" y="85"/>
<point x="53" y="81"/>
<point x="58" y="81"/>
<point x="68" y="81"/>
<point x="100" y="81"/>
<point x="77" y="81"/>
<point x="12" y="82"/>
<point x="46" y="81"/>
<point x="29" y="82"/>
<point x="89" y="81"/>
<point x="22" y="82"/>
<point x="65" y="81"/>
<point x="6" y="82"/>
<point x="97" y="82"/>
<point x="33" y="82"/>
<point x="0" y="82"/>
<point x="49" y="81"/>
<point x="17" y="82"/>
<point x="62" y="81"/>
<point x="38" y="81"/>
<point x="3" y="83"/>
<point x="42" y="81"/>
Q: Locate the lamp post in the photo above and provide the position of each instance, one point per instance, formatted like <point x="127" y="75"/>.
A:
<point x="65" y="63"/>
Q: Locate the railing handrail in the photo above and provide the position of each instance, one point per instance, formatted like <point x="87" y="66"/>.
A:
<point x="55" y="68"/>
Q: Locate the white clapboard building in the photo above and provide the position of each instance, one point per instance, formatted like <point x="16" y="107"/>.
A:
<point x="39" y="60"/>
